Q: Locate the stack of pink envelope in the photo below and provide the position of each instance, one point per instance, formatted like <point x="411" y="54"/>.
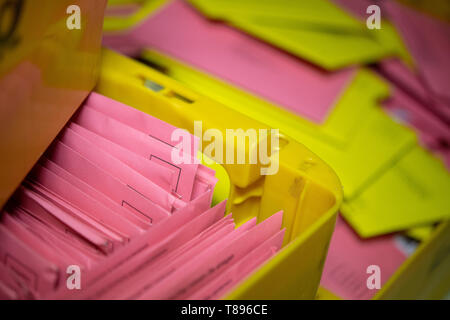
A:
<point x="108" y="184"/>
<point x="194" y="255"/>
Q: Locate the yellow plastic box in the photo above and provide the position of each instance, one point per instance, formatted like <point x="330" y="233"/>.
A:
<point x="304" y="187"/>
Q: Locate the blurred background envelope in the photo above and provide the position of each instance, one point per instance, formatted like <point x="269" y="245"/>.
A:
<point x="284" y="13"/>
<point x="412" y="193"/>
<point x="406" y="78"/>
<point x="344" y="116"/>
<point x="181" y="32"/>
<point x="345" y="271"/>
<point x="432" y="132"/>
<point x="317" y="31"/>
<point x="419" y="32"/>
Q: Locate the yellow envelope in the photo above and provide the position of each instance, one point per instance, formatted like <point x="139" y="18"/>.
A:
<point x="317" y="31"/>
<point x="420" y="233"/>
<point x="415" y="191"/>
<point x="292" y="13"/>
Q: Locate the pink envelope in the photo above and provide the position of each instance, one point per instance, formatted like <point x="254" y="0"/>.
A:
<point x="220" y="226"/>
<point x="93" y="233"/>
<point x="99" y="179"/>
<point x="216" y="258"/>
<point x="76" y="219"/>
<point x="119" y="260"/>
<point x="35" y="243"/>
<point x="141" y="144"/>
<point x="40" y="215"/>
<point x="441" y="107"/>
<point x="11" y="285"/>
<point x="101" y="197"/>
<point x="428" y="40"/>
<point x="67" y="244"/>
<point x="401" y="76"/>
<point x="345" y="271"/>
<point x="224" y="223"/>
<point x="201" y="198"/>
<point x="431" y="128"/>
<point x="94" y="209"/>
<point x="70" y="209"/>
<point x="44" y="244"/>
<point x="121" y="171"/>
<point x="200" y="187"/>
<point x="206" y="174"/>
<point x="181" y="32"/>
<point x="164" y="177"/>
<point x="205" y="181"/>
<point x="155" y="272"/>
<point x="151" y="126"/>
<point x="39" y="274"/>
<point x="235" y="274"/>
<point x="413" y="85"/>
<point x="177" y="260"/>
